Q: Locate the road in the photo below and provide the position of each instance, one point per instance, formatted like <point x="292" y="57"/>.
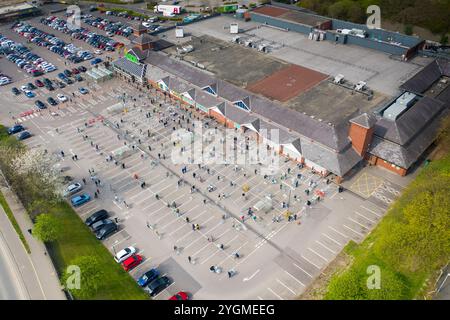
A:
<point x="11" y="285"/>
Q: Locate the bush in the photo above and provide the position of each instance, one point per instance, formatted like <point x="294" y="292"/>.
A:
<point x="47" y="228"/>
<point x="408" y="30"/>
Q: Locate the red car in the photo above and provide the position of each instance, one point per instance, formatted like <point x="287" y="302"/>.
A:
<point x="180" y="296"/>
<point x="132" y="262"/>
<point x="39" y="83"/>
<point x="75" y="71"/>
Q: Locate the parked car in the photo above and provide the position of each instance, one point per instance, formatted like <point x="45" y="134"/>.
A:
<point x="52" y="101"/>
<point x="106" y="231"/>
<point x="39" y="83"/>
<point x="72" y="189"/>
<point x="29" y="94"/>
<point x="124" y="254"/>
<point x="132" y="262"/>
<point x="180" y="296"/>
<point x="15" y="91"/>
<point x="23" y="135"/>
<point x="61" y="97"/>
<point x="78" y="78"/>
<point x="148" y="277"/>
<point x="16" y="128"/>
<point x="100" y="224"/>
<point x="79" y="200"/>
<point x="40" y="104"/>
<point x="156" y="286"/>
<point x="82" y="90"/>
<point x="96" y="61"/>
<point x="96" y="216"/>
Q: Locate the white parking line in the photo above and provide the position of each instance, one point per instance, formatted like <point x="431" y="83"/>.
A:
<point x="317" y="254"/>
<point x="275" y="294"/>
<point x="375" y="213"/>
<point x="301" y="283"/>
<point x="330" y="238"/>
<point x="358" y="233"/>
<point x="363" y="216"/>
<point x="280" y="282"/>
<point x="307" y="273"/>
<point x="353" y="220"/>
<point x="329" y="249"/>
<point x="338" y="232"/>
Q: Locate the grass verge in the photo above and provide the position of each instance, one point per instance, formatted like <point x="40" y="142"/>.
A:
<point x="13" y="220"/>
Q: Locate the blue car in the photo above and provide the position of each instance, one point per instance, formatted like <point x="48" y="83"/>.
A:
<point x="83" y="90"/>
<point x="23" y="135"/>
<point x="148" y="277"/>
<point x="96" y="61"/>
<point x="30" y="94"/>
<point x="15" y="129"/>
<point x="80" y="199"/>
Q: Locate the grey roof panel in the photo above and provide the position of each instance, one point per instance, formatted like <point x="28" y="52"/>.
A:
<point x="423" y="79"/>
<point x="409" y="123"/>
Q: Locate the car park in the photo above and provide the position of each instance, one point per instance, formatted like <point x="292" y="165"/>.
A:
<point x="61" y="97"/>
<point x="156" y="286"/>
<point x="148" y="277"/>
<point x="181" y="295"/>
<point x="15" y="129"/>
<point x="106" y="231"/>
<point x="39" y="104"/>
<point x="96" y="216"/>
<point x="79" y="200"/>
<point x="124" y="254"/>
<point x="23" y="135"/>
<point x="132" y="262"/>
<point x="72" y="189"/>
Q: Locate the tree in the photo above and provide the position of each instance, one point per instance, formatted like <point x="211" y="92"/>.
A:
<point x="408" y="29"/>
<point x="347" y="286"/>
<point x="47" y="228"/>
<point x="91" y="277"/>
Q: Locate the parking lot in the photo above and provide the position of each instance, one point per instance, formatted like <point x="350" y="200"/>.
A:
<point x="278" y="256"/>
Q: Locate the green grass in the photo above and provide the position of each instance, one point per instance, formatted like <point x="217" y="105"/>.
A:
<point x="13" y="220"/>
<point x="404" y="277"/>
<point x="78" y="240"/>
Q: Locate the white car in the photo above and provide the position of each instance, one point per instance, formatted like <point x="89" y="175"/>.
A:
<point x="72" y="189"/>
<point x="98" y="51"/>
<point x="124" y="254"/>
<point x="146" y="24"/>
<point x="61" y="97"/>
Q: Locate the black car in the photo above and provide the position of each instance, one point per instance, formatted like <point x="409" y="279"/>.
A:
<point x="52" y="101"/>
<point x="40" y="104"/>
<point x="96" y="216"/>
<point x="156" y="286"/>
<point x="49" y="87"/>
<point x="15" y="91"/>
<point x="61" y="84"/>
<point x="78" y="78"/>
<point x="31" y="86"/>
<point x="68" y="80"/>
<point x="47" y="81"/>
<point x="97" y="226"/>
<point x="106" y="231"/>
<point x="82" y="69"/>
<point x="67" y="72"/>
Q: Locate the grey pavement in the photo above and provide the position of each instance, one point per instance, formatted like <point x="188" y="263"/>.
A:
<point x="34" y="273"/>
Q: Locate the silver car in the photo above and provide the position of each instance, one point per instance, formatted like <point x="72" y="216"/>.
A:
<point x="72" y="189"/>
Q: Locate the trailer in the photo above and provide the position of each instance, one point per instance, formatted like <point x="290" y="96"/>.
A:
<point x="167" y="10"/>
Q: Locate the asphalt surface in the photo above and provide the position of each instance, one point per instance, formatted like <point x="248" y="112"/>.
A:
<point x="11" y="286"/>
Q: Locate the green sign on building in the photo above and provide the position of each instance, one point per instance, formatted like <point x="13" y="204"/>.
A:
<point x="131" y="57"/>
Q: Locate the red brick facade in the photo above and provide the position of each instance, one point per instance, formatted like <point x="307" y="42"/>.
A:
<point x="360" y="137"/>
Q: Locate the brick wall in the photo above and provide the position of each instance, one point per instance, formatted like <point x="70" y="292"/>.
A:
<point x="361" y="137"/>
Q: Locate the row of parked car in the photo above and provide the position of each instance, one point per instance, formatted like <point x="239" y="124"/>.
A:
<point x="96" y="40"/>
<point x="103" y="226"/>
<point x="52" y="43"/>
<point x="19" y="130"/>
<point x="111" y="27"/>
<point x="24" y="58"/>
